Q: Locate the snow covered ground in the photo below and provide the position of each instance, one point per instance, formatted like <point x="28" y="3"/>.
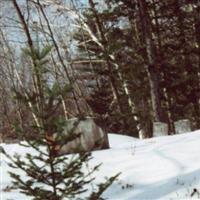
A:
<point x="158" y="168"/>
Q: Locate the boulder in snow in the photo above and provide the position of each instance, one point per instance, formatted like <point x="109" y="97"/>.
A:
<point x="91" y="136"/>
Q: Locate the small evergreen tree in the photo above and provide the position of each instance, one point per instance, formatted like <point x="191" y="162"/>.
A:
<point x="49" y="175"/>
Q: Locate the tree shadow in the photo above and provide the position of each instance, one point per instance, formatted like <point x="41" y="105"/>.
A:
<point x="178" y="164"/>
<point x="162" y="188"/>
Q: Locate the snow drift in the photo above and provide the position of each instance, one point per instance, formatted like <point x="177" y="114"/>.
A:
<point x="165" y="167"/>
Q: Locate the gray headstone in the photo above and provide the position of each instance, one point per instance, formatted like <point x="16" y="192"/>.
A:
<point x="182" y="126"/>
<point x="1" y="138"/>
<point x="160" y="129"/>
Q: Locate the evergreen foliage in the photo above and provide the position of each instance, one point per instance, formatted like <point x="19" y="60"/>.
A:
<point x="141" y="62"/>
<point x="172" y="27"/>
<point x="49" y="175"/>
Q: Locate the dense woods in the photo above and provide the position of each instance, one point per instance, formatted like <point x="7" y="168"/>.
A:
<point x="129" y="62"/>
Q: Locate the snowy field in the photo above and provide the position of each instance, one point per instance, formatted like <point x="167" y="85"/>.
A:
<point x="157" y="168"/>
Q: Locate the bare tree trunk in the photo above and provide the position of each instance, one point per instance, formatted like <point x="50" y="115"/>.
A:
<point x="15" y="72"/>
<point x="192" y="71"/>
<point x="196" y="12"/>
<point x="59" y="55"/>
<point x="114" y="88"/>
<point x="111" y="61"/>
<point x="160" y="54"/>
<point x="151" y="70"/>
<point x="36" y="79"/>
